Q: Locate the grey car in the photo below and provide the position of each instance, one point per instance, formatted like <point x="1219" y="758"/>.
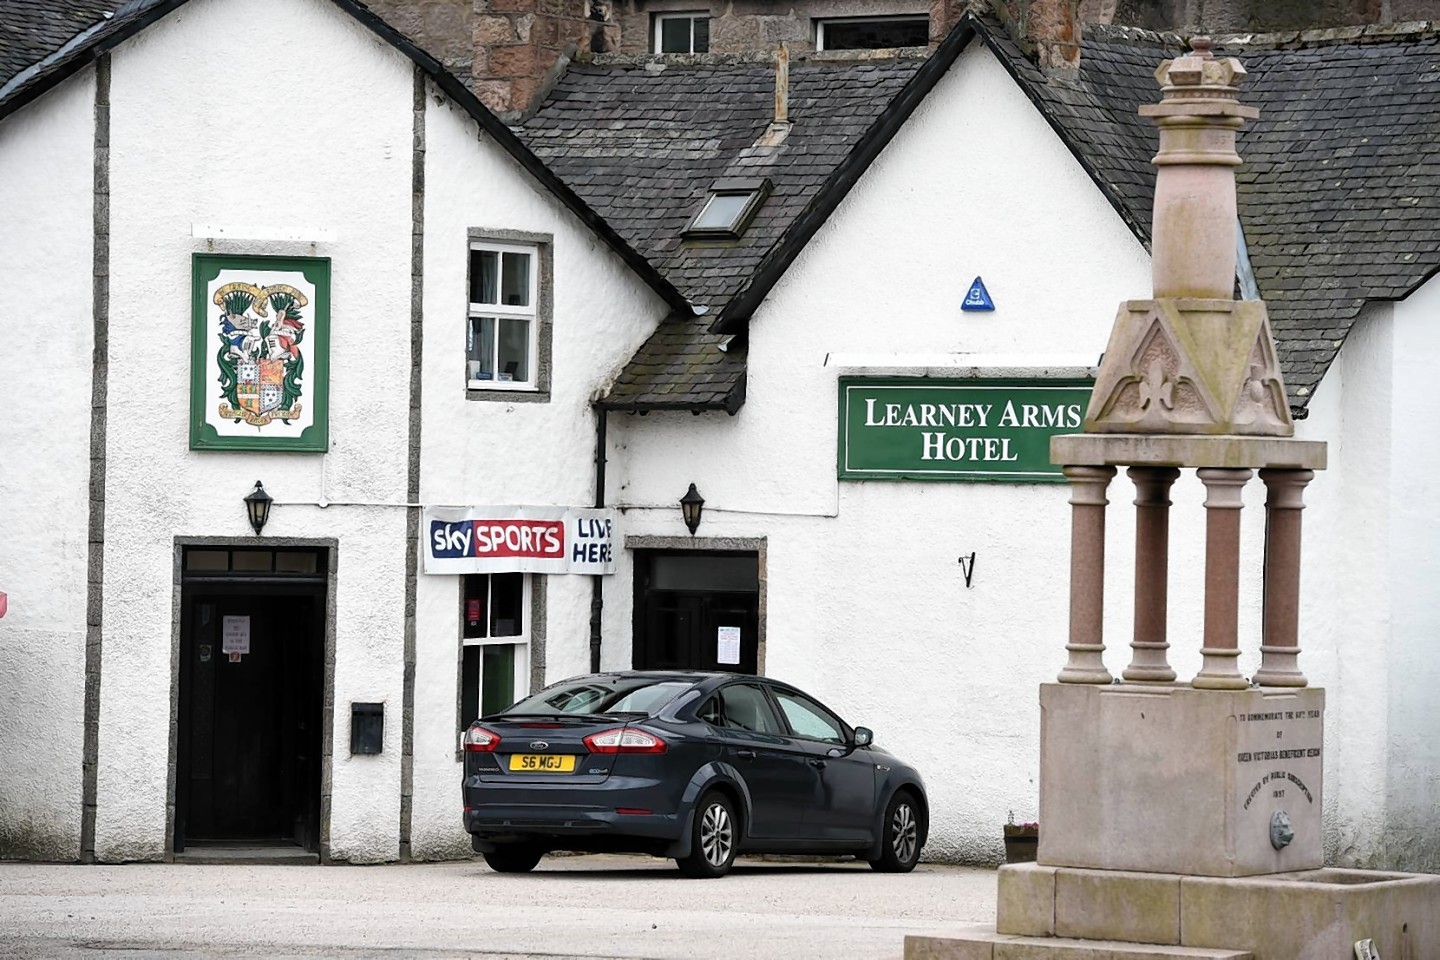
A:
<point x="699" y="767"/>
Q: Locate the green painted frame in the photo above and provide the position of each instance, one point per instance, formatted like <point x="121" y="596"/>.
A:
<point x="205" y="267"/>
<point x="1075" y="389"/>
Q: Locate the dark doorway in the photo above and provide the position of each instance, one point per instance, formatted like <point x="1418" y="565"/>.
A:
<point x="697" y="610"/>
<point x="251" y="688"/>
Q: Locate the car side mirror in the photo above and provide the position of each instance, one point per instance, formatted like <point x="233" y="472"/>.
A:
<point x="862" y="736"/>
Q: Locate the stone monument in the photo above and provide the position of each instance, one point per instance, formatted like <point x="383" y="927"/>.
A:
<point x="1183" y="818"/>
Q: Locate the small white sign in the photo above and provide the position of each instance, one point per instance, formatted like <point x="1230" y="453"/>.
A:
<point x="728" y="645"/>
<point x="235" y="635"/>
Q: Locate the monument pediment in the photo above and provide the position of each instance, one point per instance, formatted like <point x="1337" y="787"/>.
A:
<point x="1195" y="366"/>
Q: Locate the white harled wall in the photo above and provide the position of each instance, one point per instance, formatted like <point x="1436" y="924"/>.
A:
<point x="1413" y="704"/>
<point x="867" y="605"/>
<point x="311" y="132"/>
<point x="46" y="270"/>
<point x="490" y="452"/>
<point x="1370" y="610"/>
<point x="314" y="138"/>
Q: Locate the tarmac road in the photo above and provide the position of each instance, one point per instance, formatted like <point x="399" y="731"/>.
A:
<point x="591" y="907"/>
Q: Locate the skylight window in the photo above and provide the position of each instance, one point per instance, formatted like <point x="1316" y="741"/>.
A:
<point x="729" y="208"/>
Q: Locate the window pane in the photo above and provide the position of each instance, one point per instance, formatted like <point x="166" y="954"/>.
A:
<point x="207" y="560"/>
<point x="722" y="211"/>
<point x="702" y="34"/>
<point x="675" y="35"/>
<point x="497" y="672"/>
<point x="300" y="561"/>
<point x="253" y="561"/>
<point x="515" y="280"/>
<point x="744" y="707"/>
<point x="736" y="573"/>
<point x="507" y="594"/>
<point x="808" y="719"/>
<point x="484" y="268"/>
<point x="480" y="352"/>
<point x="469" y="685"/>
<point x="603" y="694"/>
<point x="876" y="34"/>
<point x="514" y="350"/>
<point x="472" y="613"/>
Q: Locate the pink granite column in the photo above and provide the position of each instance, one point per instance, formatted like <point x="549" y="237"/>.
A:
<point x="1148" y="659"/>
<point x="1223" y="500"/>
<point x="1086" y="661"/>
<point x="1280" y="646"/>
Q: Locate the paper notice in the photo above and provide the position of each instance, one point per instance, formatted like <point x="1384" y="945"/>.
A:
<point x="728" y="645"/>
<point x="235" y="635"/>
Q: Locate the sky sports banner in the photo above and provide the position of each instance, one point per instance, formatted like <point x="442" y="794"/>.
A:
<point x="518" y="540"/>
<point x="926" y="429"/>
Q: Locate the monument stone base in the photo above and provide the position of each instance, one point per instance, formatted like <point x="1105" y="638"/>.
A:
<point x="1163" y="778"/>
<point x="1060" y="913"/>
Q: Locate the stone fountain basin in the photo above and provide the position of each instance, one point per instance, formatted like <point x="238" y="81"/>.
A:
<point x="1301" y="915"/>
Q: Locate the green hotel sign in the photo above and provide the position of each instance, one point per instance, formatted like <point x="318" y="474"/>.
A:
<point x="924" y="429"/>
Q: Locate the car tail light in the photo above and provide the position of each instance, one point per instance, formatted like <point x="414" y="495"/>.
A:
<point x="480" y="740"/>
<point x="624" y="740"/>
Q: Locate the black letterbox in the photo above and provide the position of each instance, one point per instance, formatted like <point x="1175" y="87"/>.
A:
<point x="367" y="727"/>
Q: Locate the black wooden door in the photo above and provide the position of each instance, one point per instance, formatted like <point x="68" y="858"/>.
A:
<point x="250" y="719"/>
<point x="697" y="611"/>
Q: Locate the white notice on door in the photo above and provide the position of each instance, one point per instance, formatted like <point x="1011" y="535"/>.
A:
<point x="235" y="635"/>
<point x="728" y="645"/>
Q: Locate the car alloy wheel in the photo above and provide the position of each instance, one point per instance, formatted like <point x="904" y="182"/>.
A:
<point x="715" y="839"/>
<point x="717" y="834"/>
<point x="904" y="833"/>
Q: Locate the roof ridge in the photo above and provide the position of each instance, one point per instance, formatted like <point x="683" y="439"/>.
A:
<point x="1277" y="40"/>
<point x="747" y="58"/>
<point x="1294" y="39"/>
<point x="1118" y="33"/>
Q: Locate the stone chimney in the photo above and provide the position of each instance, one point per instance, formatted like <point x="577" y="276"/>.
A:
<point x="522" y="45"/>
<point x="1050" y="29"/>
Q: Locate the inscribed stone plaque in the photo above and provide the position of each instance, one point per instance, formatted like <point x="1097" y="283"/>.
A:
<point x="1279" y="767"/>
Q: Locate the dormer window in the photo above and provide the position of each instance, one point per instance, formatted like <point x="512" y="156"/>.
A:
<point x="729" y="208"/>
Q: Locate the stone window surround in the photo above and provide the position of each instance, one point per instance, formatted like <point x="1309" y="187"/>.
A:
<point x="327" y="707"/>
<point x="658" y="18"/>
<point x="533" y="636"/>
<point x="755" y="545"/>
<point x="544" y="244"/>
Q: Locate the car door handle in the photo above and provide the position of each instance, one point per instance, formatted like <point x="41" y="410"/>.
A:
<point x="745" y="754"/>
<point x="817" y="763"/>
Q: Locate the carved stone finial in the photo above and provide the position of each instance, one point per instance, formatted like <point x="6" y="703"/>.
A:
<point x="1202" y="47"/>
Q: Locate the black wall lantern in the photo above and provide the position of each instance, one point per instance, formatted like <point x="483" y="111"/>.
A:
<point x="690" y="506"/>
<point x="257" y="505"/>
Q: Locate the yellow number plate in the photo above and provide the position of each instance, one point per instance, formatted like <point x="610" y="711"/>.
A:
<point x="542" y="763"/>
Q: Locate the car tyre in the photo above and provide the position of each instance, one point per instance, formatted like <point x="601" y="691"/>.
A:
<point x="903" y="834"/>
<point x="514" y="858"/>
<point x="714" y="838"/>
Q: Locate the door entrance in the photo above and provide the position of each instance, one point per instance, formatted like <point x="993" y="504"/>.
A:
<point x="251" y="689"/>
<point x="697" y="610"/>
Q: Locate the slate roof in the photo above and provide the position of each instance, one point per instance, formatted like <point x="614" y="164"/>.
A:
<point x="34" y="28"/>
<point x="1338" y="192"/>
<point x="1337" y="196"/>
<point x="643" y="140"/>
